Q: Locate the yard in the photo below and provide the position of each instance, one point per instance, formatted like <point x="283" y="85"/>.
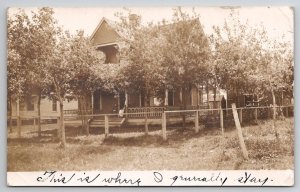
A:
<point x="132" y="150"/>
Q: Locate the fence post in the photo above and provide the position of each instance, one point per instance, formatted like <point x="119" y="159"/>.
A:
<point x="255" y="114"/>
<point x="146" y="124"/>
<point x="106" y="125"/>
<point x="221" y="121"/>
<point x="197" y="122"/>
<point x="35" y="126"/>
<point x="241" y="115"/>
<point x="58" y="127"/>
<point x="19" y="126"/>
<point x="239" y="131"/>
<point x="164" y="126"/>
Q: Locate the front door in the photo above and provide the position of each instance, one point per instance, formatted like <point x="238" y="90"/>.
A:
<point x="96" y="101"/>
<point x="109" y="103"/>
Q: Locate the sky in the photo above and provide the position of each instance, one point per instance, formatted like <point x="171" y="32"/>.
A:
<point x="278" y="21"/>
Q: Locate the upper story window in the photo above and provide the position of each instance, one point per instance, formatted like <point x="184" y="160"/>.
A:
<point x="111" y="53"/>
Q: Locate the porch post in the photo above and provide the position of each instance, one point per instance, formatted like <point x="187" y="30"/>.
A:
<point x="126" y="98"/>
<point x="198" y="96"/>
<point x="166" y="97"/>
<point x="100" y="102"/>
<point x="180" y="95"/>
<point x="191" y="96"/>
<point x="92" y="103"/>
<point x="126" y="103"/>
<point x="140" y="98"/>
<point x="118" y="102"/>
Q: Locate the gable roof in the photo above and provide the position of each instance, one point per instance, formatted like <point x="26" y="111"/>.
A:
<point x="111" y="36"/>
<point x="105" y="33"/>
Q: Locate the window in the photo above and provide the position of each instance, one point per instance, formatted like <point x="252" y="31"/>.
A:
<point x="170" y="98"/>
<point x="30" y="104"/>
<point x="54" y="105"/>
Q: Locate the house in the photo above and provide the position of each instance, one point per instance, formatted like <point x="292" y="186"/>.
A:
<point x="107" y="40"/>
<point x="27" y="109"/>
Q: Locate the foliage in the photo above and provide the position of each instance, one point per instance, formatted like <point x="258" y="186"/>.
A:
<point x="185" y="50"/>
<point x="143" y="73"/>
<point x="245" y="60"/>
<point x="17" y="30"/>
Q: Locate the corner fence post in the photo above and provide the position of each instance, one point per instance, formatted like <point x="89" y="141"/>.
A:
<point x="239" y="131"/>
<point x="164" y="126"/>
<point x="106" y="125"/>
<point x="197" y="122"/>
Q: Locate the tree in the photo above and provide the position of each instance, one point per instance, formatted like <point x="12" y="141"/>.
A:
<point x="275" y="72"/>
<point x="237" y="49"/>
<point x="185" y="53"/>
<point x="143" y="73"/>
<point x="31" y="41"/>
<point x="59" y="75"/>
<point x="42" y="42"/>
<point x="247" y="61"/>
<point x="81" y="58"/>
<point x="17" y="60"/>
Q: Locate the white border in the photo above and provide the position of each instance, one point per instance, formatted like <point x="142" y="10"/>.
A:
<point x="153" y="178"/>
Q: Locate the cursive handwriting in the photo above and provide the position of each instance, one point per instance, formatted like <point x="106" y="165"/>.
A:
<point x="159" y="178"/>
<point x="249" y="178"/>
<point x="56" y="177"/>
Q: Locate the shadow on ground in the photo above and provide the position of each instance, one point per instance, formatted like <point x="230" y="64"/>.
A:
<point x="175" y="137"/>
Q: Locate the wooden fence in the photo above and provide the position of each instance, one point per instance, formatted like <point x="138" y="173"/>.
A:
<point x="198" y="116"/>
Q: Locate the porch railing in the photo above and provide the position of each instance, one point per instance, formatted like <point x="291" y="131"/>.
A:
<point x="140" y="111"/>
<point x="157" y="111"/>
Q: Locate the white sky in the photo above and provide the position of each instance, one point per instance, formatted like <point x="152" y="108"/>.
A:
<point x="277" y="21"/>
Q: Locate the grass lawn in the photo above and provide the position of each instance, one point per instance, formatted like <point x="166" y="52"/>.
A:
<point x="184" y="150"/>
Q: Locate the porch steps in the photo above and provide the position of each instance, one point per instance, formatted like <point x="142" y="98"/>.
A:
<point x="113" y="122"/>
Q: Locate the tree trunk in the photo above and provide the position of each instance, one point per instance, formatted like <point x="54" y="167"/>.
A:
<point x="39" y="116"/>
<point x="207" y="93"/>
<point x="18" y="118"/>
<point x="62" y="125"/>
<point x="85" y="107"/>
<point x="274" y="113"/>
<point x="10" y="115"/>
<point x="184" y="107"/>
<point x="146" y="115"/>
<point x="215" y="95"/>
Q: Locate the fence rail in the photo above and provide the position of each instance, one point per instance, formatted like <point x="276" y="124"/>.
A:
<point x="204" y="117"/>
<point x="157" y="111"/>
<point x="76" y="112"/>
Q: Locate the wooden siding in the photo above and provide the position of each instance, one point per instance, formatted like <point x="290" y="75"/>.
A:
<point x="105" y="35"/>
